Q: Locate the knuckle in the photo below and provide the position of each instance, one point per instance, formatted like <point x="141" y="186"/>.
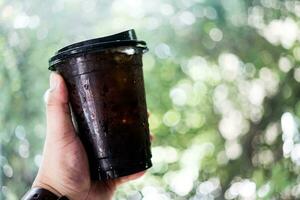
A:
<point x="55" y="107"/>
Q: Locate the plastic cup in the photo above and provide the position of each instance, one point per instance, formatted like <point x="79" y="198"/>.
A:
<point x="104" y="78"/>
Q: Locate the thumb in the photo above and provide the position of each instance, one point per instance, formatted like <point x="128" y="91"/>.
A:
<point x="59" y="122"/>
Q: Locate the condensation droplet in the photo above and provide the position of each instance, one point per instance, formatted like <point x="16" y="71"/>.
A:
<point x="86" y="86"/>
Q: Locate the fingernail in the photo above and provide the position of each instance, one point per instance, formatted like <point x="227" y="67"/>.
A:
<point x="53" y="81"/>
<point x="46" y="95"/>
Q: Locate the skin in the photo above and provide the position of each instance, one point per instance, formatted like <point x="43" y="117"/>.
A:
<point x="64" y="169"/>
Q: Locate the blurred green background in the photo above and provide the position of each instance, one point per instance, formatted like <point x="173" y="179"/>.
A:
<point x="222" y="81"/>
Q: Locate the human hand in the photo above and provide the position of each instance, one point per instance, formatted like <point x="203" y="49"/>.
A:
<point x="64" y="169"/>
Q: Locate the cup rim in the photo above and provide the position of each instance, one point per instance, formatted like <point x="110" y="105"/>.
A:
<point x="125" y="38"/>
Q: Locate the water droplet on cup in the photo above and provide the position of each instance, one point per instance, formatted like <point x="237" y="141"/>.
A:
<point x="86" y="86"/>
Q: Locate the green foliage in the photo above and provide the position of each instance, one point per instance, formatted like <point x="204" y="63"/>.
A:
<point x="221" y="78"/>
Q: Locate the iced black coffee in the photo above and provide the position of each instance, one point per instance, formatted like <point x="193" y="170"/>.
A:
<point x="104" y="78"/>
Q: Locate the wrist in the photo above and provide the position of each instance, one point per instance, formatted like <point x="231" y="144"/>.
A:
<point x="39" y="184"/>
<point x="41" y="194"/>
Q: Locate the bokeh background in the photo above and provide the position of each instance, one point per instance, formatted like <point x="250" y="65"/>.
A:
<point x="222" y="81"/>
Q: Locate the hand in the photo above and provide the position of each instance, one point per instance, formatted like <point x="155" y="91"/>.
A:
<point x="64" y="169"/>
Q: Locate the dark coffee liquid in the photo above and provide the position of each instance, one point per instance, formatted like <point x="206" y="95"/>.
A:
<point x="106" y="92"/>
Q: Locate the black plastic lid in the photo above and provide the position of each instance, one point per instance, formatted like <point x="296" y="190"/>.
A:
<point x="126" y="38"/>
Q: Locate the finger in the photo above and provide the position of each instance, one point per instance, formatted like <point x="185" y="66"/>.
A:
<point x="109" y="186"/>
<point x="59" y="123"/>
<point x="148" y="113"/>
<point x="129" y="178"/>
<point x="151" y="137"/>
